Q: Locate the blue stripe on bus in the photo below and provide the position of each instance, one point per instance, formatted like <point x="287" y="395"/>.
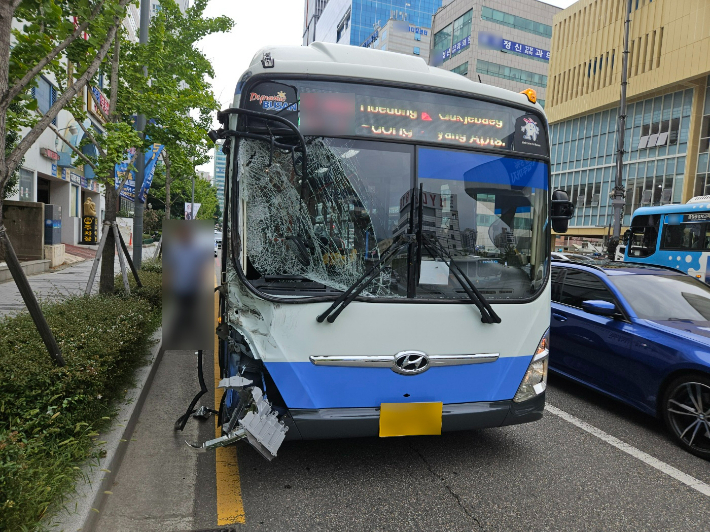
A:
<point x="466" y="166"/>
<point x="303" y="385"/>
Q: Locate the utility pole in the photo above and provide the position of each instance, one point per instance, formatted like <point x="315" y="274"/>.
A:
<point x="140" y="161"/>
<point x="192" y="207"/>
<point x="617" y="200"/>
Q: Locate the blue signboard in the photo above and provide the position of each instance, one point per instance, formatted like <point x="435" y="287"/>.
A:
<point x="418" y="31"/>
<point x="495" y="42"/>
<point x="456" y="48"/>
<point x="149" y="170"/>
<point x="526" y="50"/>
<point x="129" y="189"/>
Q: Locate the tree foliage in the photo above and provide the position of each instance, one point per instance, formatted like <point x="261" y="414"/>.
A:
<point x="181" y="193"/>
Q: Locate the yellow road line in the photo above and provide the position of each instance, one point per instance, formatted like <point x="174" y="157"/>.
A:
<point x="230" y="507"/>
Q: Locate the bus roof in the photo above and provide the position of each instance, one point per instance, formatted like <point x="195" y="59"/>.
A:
<point x="337" y="60"/>
<point x="671" y="209"/>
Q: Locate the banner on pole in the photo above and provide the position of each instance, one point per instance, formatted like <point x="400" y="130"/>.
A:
<point x="188" y="210"/>
<point x="151" y="159"/>
<point x="129" y="189"/>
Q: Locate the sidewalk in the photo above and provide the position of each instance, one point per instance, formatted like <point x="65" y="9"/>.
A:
<point x="57" y="285"/>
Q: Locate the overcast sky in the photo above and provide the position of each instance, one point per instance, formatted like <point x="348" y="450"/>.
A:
<point x="257" y="24"/>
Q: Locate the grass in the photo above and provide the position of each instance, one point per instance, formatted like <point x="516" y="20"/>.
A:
<point x="51" y="417"/>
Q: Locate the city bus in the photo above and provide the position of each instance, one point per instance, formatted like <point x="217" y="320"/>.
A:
<point x="672" y="235"/>
<point x="386" y="250"/>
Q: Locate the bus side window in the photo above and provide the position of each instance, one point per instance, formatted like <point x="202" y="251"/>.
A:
<point x="687" y="236"/>
<point x="672" y="235"/>
<point x="691" y="236"/>
<point x="642" y="242"/>
<point x="644" y="235"/>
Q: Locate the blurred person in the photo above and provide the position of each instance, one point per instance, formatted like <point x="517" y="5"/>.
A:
<point x="187" y="283"/>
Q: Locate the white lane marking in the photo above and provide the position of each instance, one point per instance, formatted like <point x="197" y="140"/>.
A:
<point x="669" y="470"/>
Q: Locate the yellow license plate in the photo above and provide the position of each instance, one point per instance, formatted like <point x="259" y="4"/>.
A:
<point x="410" y="419"/>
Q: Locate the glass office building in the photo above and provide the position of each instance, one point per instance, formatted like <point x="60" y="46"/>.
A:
<point x="353" y="21"/>
<point x="220" y="166"/>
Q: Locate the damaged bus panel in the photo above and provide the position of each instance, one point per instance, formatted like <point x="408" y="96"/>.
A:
<point x="386" y="251"/>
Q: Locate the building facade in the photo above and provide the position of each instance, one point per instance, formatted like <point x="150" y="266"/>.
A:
<point x="505" y="43"/>
<point x="220" y="166"/>
<point x="312" y="10"/>
<point x="353" y="21"/>
<point x="401" y="37"/>
<point x="668" y="117"/>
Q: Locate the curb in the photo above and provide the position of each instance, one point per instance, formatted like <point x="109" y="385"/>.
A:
<point x="81" y="508"/>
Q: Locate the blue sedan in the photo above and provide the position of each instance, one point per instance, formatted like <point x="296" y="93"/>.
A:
<point x="640" y="334"/>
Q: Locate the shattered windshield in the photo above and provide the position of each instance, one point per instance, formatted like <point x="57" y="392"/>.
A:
<point x="328" y="227"/>
<point x="320" y="234"/>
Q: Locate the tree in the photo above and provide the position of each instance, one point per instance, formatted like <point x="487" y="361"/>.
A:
<point x="47" y="42"/>
<point x="181" y="193"/>
<point x="175" y="89"/>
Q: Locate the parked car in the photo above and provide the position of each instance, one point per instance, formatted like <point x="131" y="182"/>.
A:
<point x="640" y="334"/>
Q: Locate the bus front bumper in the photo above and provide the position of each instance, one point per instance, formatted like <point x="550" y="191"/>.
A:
<point x="324" y="423"/>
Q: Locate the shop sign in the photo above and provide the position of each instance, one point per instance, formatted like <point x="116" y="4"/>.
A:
<point x="103" y="103"/>
<point x="49" y="154"/>
<point x="526" y="50"/>
<point x="75" y="178"/>
<point x="456" y="48"/>
<point x="54" y="170"/>
<point x="371" y="39"/>
<point x="89" y="230"/>
<point x="418" y="31"/>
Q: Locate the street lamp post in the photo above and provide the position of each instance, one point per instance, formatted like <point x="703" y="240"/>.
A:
<point x="617" y="200"/>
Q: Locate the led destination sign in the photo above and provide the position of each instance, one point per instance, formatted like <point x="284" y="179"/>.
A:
<point x="339" y="110"/>
<point x="364" y="116"/>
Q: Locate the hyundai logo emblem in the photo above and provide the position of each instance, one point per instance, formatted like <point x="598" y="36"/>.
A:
<point x="410" y="363"/>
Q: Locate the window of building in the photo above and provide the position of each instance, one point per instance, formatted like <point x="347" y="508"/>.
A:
<point x="343" y="26"/>
<point x="462" y="30"/>
<point x="74" y="205"/>
<point x="416" y="50"/>
<point x="27" y="184"/>
<point x="454" y="38"/>
<point x="513" y="74"/>
<point x="514" y="21"/>
<point x="461" y="69"/>
<point x="46" y="94"/>
<point x="442" y="41"/>
<point x="417" y="37"/>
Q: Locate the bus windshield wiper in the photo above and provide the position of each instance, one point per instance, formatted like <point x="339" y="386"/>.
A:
<point x="358" y="286"/>
<point x="488" y="315"/>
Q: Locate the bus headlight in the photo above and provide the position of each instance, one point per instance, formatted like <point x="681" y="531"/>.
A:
<point x="535" y="379"/>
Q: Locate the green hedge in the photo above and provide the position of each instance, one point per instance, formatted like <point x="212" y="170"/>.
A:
<point x="49" y="416"/>
<point x="152" y="289"/>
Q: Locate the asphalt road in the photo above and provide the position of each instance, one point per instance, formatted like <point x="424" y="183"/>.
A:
<point x="548" y="475"/>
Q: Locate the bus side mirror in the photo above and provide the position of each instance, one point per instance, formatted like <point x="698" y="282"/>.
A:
<point x="561" y="211"/>
<point x="627" y="237"/>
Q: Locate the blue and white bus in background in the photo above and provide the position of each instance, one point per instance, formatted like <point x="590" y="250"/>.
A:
<point x="672" y="235"/>
<point x="386" y="250"/>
